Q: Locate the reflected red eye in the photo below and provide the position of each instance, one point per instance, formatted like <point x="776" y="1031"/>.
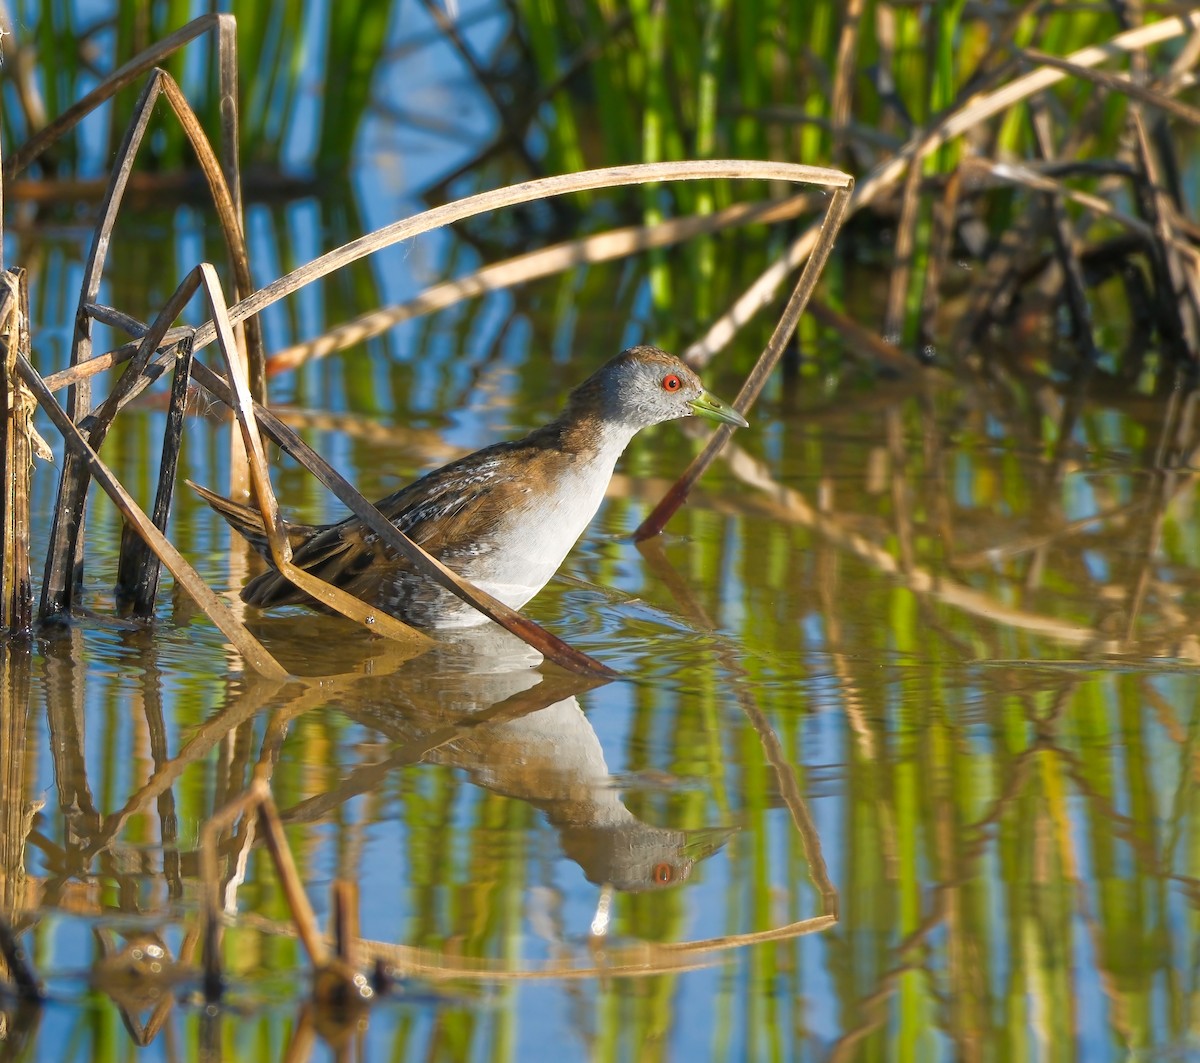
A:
<point x="663" y="873"/>
<point x="671" y="382"/>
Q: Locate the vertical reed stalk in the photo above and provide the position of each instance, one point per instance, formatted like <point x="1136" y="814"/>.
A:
<point x="16" y="593"/>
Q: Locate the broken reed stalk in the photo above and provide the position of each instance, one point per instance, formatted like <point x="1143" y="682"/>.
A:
<point x="511" y="195"/>
<point x="16" y="589"/>
<point x="675" y="497"/>
<point x="546" y="261"/>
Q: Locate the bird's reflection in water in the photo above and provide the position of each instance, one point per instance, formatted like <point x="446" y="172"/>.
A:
<point x="478" y="704"/>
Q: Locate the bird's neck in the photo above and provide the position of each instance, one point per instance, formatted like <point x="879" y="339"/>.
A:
<point x="585" y="435"/>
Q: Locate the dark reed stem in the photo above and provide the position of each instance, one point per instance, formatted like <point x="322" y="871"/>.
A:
<point x="138" y="568"/>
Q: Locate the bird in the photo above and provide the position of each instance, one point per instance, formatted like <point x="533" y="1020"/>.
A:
<point x="504" y="517"/>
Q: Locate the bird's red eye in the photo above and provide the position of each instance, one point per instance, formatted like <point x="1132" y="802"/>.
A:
<point x="671" y="382"/>
<point x="664" y="872"/>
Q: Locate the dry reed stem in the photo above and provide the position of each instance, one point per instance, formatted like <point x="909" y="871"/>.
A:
<point x="1118" y="82"/>
<point x="600" y="247"/>
<point x="902" y="263"/>
<point x="861" y="342"/>
<point x="1182" y="277"/>
<point x="512" y="195"/>
<point x="1065" y="243"/>
<point x="17" y="442"/>
<point x="675" y="497"/>
<point x="248" y="646"/>
<point x="138" y="569"/>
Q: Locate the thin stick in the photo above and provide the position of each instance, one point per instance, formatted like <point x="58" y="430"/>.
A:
<point x="289" y="877"/>
<point x="674" y="498"/>
<point x="1064" y="238"/>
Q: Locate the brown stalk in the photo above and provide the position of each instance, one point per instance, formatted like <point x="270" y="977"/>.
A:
<point x="1064" y="238"/>
<point x="675" y="497"/>
<point x="1179" y="280"/>
<point x="512" y="195"/>
<point x="601" y="247"/>
<point x="17" y="441"/>
<point x="945" y="224"/>
<point x="906" y="230"/>
<point x="1117" y="82"/>
<point x="844" y="72"/>
<point x="862" y="343"/>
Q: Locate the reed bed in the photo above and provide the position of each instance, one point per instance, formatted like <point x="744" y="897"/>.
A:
<point x="987" y="128"/>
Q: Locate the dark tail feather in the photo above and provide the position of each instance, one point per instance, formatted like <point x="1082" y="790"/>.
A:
<point x="244" y="520"/>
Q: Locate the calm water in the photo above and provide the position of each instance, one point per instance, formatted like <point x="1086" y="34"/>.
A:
<point x="902" y="764"/>
<point x="922" y="713"/>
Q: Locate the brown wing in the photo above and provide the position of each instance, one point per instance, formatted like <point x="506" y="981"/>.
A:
<point x="446" y="512"/>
